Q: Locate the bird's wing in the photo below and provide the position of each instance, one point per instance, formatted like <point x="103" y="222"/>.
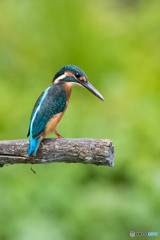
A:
<point x="34" y="109"/>
<point x="52" y="101"/>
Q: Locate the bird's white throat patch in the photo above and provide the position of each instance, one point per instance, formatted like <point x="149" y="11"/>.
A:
<point x="71" y="84"/>
<point x="60" y="78"/>
<point x="66" y="74"/>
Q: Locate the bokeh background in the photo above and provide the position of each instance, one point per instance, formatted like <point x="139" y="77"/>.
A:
<point x="117" y="44"/>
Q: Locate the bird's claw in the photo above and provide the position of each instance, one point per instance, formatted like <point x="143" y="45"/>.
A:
<point x="59" y="137"/>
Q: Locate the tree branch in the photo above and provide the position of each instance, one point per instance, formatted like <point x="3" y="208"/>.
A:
<point x="84" y="150"/>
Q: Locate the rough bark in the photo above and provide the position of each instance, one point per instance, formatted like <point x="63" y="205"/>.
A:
<point x="87" y="151"/>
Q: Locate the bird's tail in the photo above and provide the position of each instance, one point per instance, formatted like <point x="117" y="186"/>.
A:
<point x="33" y="146"/>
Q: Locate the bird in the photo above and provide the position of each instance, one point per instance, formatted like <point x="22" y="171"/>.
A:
<point x="52" y="104"/>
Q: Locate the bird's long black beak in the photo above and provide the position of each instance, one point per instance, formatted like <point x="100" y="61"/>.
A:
<point x="92" y="89"/>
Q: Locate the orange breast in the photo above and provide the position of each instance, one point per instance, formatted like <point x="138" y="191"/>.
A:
<point x="67" y="91"/>
<point x="51" y="126"/>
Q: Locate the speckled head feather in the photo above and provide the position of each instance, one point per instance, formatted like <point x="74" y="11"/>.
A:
<point x="69" y="68"/>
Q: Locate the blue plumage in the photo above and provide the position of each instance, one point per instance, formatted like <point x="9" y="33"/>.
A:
<point x="33" y="145"/>
<point x="71" y="68"/>
<point x="51" y="102"/>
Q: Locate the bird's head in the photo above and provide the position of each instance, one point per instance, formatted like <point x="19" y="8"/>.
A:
<point x="73" y="75"/>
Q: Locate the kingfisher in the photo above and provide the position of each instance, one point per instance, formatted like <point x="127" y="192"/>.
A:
<point x="52" y="104"/>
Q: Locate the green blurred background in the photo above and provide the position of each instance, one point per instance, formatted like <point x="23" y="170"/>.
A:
<point x="117" y="44"/>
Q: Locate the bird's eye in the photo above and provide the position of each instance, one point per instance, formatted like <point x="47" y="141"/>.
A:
<point x="77" y="75"/>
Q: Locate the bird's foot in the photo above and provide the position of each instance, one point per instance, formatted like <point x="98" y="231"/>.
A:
<point x="58" y="135"/>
